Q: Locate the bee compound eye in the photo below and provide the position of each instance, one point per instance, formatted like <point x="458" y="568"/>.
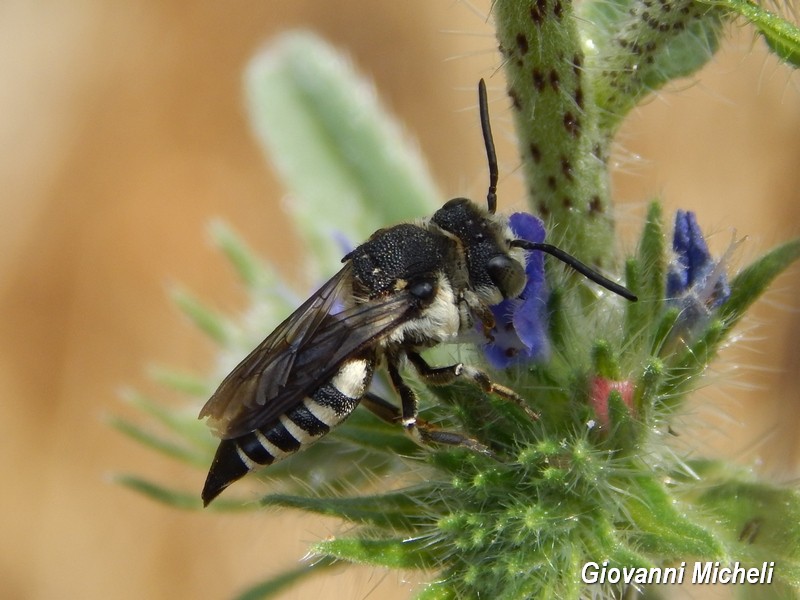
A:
<point x="423" y="289"/>
<point x="507" y="274"/>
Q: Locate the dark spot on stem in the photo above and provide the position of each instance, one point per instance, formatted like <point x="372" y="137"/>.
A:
<point x="522" y="43"/>
<point x="577" y="63"/>
<point x="544" y="211"/>
<point x="566" y="169"/>
<point x="572" y="124"/>
<point x="579" y="96"/>
<point x="538" y="11"/>
<point x="536" y="154"/>
<point x="538" y="80"/>
<point x="555" y="82"/>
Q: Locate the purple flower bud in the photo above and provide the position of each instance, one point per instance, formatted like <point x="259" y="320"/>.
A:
<point x="693" y="274"/>
<point x="520" y="332"/>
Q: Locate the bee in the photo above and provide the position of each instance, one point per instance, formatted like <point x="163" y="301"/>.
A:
<point x="409" y="287"/>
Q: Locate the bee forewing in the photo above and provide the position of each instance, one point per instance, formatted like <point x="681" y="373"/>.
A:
<point x="272" y="360"/>
<point x="299" y="356"/>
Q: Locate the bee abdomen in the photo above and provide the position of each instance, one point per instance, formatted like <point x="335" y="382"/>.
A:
<point x="297" y="428"/>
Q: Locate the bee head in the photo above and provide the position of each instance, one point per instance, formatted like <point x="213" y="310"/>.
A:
<point x="496" y="270"/>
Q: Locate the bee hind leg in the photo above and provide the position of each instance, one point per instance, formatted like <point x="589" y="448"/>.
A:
<point x="449" y="374"/>
<point x="419" y="430"/>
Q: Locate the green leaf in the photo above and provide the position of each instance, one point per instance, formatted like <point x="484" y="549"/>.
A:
<point x="661" y="526"/>
<point x="344" y="159"/>
<point x="365" y="430"/>
<point x="159" y="444"/>
<point x="184" y="424"/>
<point x="761" y="522"/>
<point x="753" y="281"/>
<point x="178" y="498"/>
<point x="392" y="553"/>
<point x="252" y="271"/>
<point x="648" y="271"/>
<point x="275" y="585"/>
<point x="181" y="381"/>
<point x="782" y="36"/>
<point x="635" y="48"/>
<point x="605" y="362"/>
<point x="210" y="322"/>
<point x="398" y="511"/>
<point x="437" y="590"/>
<point x="159" y="493"/>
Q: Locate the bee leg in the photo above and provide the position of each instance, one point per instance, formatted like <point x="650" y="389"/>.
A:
<point x="446" y="375"/>
<point x="482" y="311"/>
<point x="420" y="431"/>
<point x="381" y="408"/>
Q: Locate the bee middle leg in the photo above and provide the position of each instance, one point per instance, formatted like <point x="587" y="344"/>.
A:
<point x="449" y="374"/>
<point x="420" y="431"/>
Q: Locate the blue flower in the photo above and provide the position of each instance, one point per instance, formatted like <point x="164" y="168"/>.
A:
<point x="520" y="332"/>
<point x="694" y="277"/>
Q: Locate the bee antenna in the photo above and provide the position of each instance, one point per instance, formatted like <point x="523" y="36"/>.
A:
<point x="580" y="267"/>
<point x="491" y="156"/>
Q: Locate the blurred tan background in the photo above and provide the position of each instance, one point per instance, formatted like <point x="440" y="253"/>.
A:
<point x="122" y="133"/>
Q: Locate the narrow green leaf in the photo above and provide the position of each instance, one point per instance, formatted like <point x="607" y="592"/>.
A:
<point x="753" y="281"/>
<point x="647" y="388"/>
<point x="341" y="155"/>
<point x="782" y="36"/>
<point x="397" y="511"/>
<point x="661" y="527"/>
<point x="180" y="499"/>
<point x="396" y="553"/>
<point x="605" y="363"/>
<point x="627" y="430"/>
<point x="253" y="273"/>
<point x="665" y="326"/>
<point x="367" y="431"/>
<point x="161" y="445"/>
<point x="691" y="362"/>
<point x="159" y="493"/>
<point x="210" y="322"/>
<point x="646" y="276"/>
<point x="183" y="423"/>
<point x="277" y="584"/>
<point x="437" y="590"/>
<point x="652" y="260"/>
<point x="181" y="381"/>
<point x="761" y="522"/>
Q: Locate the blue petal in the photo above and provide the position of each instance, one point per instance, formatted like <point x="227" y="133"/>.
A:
<point x="520" y="334"/>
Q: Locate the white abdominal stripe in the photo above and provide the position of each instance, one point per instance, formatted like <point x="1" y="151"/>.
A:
<point x="307" y="422"/>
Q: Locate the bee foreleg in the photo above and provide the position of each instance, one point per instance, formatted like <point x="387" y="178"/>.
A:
<point x="480" y="310"/>
<point x="449" y="374"/>
<point x="420" y="431"/>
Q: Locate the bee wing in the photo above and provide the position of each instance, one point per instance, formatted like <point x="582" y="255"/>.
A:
<point x="302" y="354"/>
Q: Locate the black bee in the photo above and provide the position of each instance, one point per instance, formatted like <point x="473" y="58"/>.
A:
<point x="407" y="288"/>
